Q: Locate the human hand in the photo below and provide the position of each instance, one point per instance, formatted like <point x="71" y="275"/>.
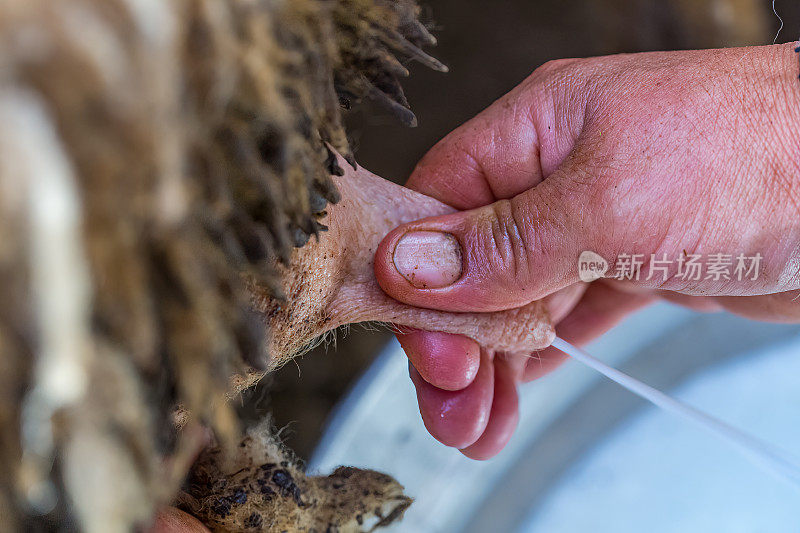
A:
<point x="173" y="520"/>
<point x="676" y="153"/>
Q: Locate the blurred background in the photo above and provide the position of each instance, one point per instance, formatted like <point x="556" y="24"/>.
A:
<point x="573" y="424"/>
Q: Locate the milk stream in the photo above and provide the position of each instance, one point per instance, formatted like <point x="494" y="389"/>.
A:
<point x="768" y="457"/>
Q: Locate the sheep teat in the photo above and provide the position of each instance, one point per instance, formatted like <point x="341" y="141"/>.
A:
<point x="330" y="281"/>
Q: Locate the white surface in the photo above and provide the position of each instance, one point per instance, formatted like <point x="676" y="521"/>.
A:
<point x="379" y="427"/>
<point x="771" y="459"/>
<point x="630" y="481"/>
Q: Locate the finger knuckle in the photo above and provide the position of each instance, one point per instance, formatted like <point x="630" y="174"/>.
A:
<point x="557" y="67"/>
<point x="558" y="74"/>
<point x="507" y="245"/>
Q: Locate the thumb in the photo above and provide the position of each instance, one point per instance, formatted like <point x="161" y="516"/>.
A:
<point x="496" y="257"/>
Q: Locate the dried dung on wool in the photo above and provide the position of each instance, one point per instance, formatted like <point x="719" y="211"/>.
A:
<point x="155" y="159"/>
<point x="256" y="491"/>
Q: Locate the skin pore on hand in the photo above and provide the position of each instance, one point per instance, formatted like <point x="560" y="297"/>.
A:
<point x="660" y="154"/>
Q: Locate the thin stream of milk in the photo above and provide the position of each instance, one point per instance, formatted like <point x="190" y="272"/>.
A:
<point x="768" y="457"/>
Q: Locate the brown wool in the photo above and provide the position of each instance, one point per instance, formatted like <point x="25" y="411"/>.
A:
<point x="153" y="155"/>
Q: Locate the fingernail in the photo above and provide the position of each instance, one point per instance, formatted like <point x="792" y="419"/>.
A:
<point x="428" y="259"/>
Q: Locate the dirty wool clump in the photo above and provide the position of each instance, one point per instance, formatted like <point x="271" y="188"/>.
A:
<point x="259" y="492"/>
<point x="156" y="160"/>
